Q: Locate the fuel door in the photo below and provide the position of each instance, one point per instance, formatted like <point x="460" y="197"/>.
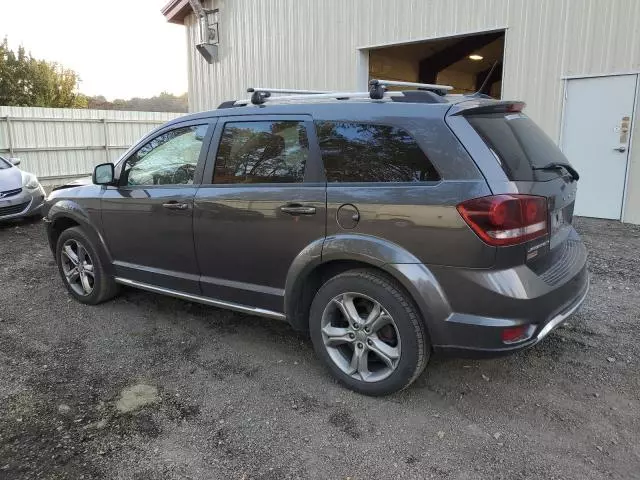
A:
<point x="348" y="216"/>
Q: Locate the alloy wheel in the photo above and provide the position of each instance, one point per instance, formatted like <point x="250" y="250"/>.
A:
<point x="361" y="337"/>
<point x="78" y="267"/>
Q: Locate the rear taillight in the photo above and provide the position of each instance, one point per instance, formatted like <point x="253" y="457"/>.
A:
<point x="502" y="220"/>
<point x="516" y="334"/>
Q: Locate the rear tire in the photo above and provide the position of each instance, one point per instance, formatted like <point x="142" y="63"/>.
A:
<point x="368" y="332"/>
<point x="81" y="268"/>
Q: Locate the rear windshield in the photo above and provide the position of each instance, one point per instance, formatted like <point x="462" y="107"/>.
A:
<point x="518" y="144"/>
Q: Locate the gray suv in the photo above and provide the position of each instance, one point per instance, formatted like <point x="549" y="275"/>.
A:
<point x="387" y="227"/>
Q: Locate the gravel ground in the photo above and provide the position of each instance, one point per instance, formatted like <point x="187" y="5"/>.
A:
<point x="147" y="387"/>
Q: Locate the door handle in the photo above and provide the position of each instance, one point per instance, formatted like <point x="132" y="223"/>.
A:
<point x="298" y="210"/>
<point x="175" y="206"/>
<point x="620" y="149"/>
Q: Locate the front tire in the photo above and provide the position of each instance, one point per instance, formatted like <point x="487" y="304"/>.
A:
<point x="368" y="332"/>
<point x="81" y="268"/>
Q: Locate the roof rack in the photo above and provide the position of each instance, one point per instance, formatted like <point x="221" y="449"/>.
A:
<point x="259" y="97"/>
<point x="378" y="87"/>
<point x="286" y="90"/>
<point x="259" y="94"/>
<point x="377" y="91"/>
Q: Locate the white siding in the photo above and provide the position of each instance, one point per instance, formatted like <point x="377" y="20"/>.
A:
<point x="314" y="44"/>
<point x="62" y="142"/>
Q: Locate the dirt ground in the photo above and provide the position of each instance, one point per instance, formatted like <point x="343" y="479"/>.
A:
<point x="148" y="387"/>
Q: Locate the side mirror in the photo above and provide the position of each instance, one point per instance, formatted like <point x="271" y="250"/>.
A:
<point x="103" y="174"/>
<point x="15" y="161"/>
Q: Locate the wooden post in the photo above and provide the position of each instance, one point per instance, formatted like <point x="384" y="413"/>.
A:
<point x="10" y="135"/>
<point x="106" y="139"/>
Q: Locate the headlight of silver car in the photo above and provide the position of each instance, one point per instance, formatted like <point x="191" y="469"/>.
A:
<point x="29" y="181"/>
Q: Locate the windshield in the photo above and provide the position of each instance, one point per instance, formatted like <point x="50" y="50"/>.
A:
<point x="4" y="164"/>
<point x="519" y="145"/>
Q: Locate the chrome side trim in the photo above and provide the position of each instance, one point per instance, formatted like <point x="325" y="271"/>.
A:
<point x="157" y="271"/>
<point x="199" y="299"/>
<point x="561" y="317"/>
<point x="251" y="287"/>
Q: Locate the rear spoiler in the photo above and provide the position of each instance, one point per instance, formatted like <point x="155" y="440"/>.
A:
<point x="477" y="106"/>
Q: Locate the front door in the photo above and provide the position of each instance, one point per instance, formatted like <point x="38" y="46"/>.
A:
<point x="595" y="138"/>
<point x="265" y="202"/>
<point x="148" y="217"/>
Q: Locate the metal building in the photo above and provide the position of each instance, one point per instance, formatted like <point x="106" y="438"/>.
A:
<point x="575" y="63"/>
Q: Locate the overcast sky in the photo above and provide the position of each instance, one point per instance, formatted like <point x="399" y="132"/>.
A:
<point x="120" y="48"/>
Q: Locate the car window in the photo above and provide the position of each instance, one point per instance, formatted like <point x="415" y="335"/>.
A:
<point x="169" y="159"/>
<point x="4" y="164"/>
<point x="361" y="152"/>
<point x="518" y="144"/>
<point x="262" y="152"/>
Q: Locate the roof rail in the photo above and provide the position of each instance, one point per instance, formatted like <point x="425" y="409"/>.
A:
<point x="286" y="90"/>
<point x="260" y="94"/>
<point x="377" y="91"/>
<point x="260" y="97"/>
<point x="378" y="87"/>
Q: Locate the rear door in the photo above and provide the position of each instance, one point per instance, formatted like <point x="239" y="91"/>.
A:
<point x="263" y="200"/>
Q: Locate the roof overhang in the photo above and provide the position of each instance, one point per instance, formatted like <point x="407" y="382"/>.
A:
<point x="176" y="10"/>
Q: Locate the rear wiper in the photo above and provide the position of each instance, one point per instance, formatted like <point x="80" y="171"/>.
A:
<point x="557" y="165"/>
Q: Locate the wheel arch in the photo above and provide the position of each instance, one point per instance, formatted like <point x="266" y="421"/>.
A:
<point x="66" y="214"/>
<point x="337" y="254"/>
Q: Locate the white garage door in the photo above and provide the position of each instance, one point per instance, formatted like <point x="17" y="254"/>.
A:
<point x="595" y="137"/>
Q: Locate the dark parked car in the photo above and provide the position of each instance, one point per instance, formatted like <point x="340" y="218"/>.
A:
<point x="386" y="228"/>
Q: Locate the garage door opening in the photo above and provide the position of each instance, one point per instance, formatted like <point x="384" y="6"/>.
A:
<point x="462" y="62"/>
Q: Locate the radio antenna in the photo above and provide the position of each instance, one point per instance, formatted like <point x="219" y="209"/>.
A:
<point x="486" y="80"/>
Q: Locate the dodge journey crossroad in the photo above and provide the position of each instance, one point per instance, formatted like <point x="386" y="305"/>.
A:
<point x="386" y="227"/>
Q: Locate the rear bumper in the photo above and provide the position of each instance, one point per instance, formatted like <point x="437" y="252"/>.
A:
<point x="540" y="331"/>
<point x="484" y="303"/>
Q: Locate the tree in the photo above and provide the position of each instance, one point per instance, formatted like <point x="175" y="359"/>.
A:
<point x="165" y="102"/>
<point x="28" y="82"/>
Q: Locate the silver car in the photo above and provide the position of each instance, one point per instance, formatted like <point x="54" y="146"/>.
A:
<point x="21" y="194"/>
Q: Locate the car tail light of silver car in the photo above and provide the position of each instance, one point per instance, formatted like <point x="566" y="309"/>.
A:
<point x="502" y="220"/>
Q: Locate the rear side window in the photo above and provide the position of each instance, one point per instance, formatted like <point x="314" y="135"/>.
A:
<point x="518" y="144"/>
<point x="362" y="152"/>
<point x="262" y="152"/>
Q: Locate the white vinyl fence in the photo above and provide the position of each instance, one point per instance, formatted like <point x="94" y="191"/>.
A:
<point x="61" y="143"/>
